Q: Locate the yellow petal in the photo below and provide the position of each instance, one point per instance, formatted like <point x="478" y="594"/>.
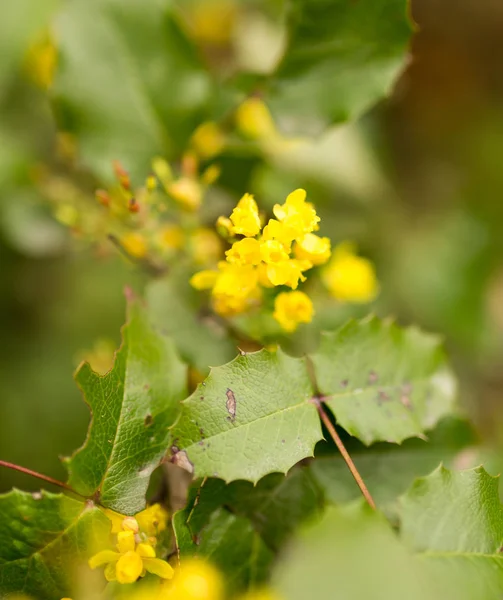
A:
<point x="145" y="551"/>
<point x="125" y="541"/>
<point x="103" y="557"/>
<point x="204" y="280"/>
<point x="111" y="571"/>
<point x="158" y="567"/>
<point x="129" y="567"/>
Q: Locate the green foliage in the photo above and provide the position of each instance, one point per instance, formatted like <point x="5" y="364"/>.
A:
<point x="43" y="539"/>
<point x="133" y="405"/>
<point x="341" y="57"/>
<point x="257" y="414"/>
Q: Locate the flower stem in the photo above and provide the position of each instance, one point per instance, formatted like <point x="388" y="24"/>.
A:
<point x="345" y="455"/>
<point x="60" y="484"/>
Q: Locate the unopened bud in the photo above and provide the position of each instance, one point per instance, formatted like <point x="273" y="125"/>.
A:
<point x="130" y="524"/>
<point x="133" y="206"/>
<point x="122" y="175"/>
<point x="103" y="197"/>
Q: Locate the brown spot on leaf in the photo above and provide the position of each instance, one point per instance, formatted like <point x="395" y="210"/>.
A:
<point x="405" y="400"/>
<point x="344" y="383"/>
<point x="231" y="404"/>
<point x="373" y="377"/>
<point x="148" y="420"/>
<point x="382" y="397"/>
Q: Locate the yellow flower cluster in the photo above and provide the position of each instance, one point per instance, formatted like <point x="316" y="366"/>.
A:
<point x="134" y="555"/>
<point x="276" y="255"/>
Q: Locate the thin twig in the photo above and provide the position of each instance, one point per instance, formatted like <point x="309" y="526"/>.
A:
<point x="345" y="455"/>
<point x="60" y="484"/>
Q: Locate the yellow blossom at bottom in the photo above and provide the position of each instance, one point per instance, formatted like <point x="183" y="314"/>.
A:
<point x="291" y="309"/>
<point x="350" y="278"/>
<point x="134" y="244"/>
<point x="195" y="580"/>
<point x="313" y="248"/>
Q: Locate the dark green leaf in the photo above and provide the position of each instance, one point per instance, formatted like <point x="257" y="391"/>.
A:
<point x="43" y="538"/>
<point x="382" y="382"/>
<point x="133" y="405"/>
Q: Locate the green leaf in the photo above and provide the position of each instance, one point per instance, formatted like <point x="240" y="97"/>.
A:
<point x="342" y="57"/>
<point x="144" y="98"/>
<point x="173" y="308"/>
<point x="455" y="520"/>
<point x="350" y="553"/>
<point x="250" y="417"/>
<point x="232" y="545"/>
<point x="43" y="538"/>
<point x="133" y="405"/>
<point x="384" y="383"/>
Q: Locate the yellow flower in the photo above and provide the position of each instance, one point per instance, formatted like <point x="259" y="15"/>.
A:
<point x="313" y="248"/>
<point x="245" y="218"/>
<point x="206" y="246"/>
<point x="292" y="308"/>
<point x="288" y="272"/>
<point x="273" y="251"/>
<point x="195" y="580"/>
<point x="134" y="244"/>
<point x="297" y="213"/>
<point x="350" y="278"/>
<point x="131" y="560"/>
<point x="170" y="237"/>
<point x="208" y="140"/>
<point x="263" y="279"/>
<point x="274" y="230"/>
<point x="235" y="289"/>
<point x="152" y="520"/>
<point x="245" y="252"/>
<point x="224" y="227"/>
<point x="254" y="120"/>
<point x="187" y="192"/>
<point x="42" y="58"/>
<point x="204" y="280"/>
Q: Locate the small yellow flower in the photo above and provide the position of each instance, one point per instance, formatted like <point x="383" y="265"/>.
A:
<point x="134" y="244"/>
<point x="292" y="308"/>
<point x="245" y="217"/>
<point x="350" y="278"/>
<point x="187" y="192"/>
<point x="131" y="560"/>
<point x="195" y="580"/>
<point x="163" y="171"/>
<point x="313" y="248"/>
<point x="236" y="289"/>
<point x="273" y="251"/>
<point x="208" y="140"/>
<point x="245" y="252"/>
<point x="170" y="237"/>
<point x="275" y="230"/>
<point x="297" y="213"/>
<point x="224" y="227"/>
<point x="152" y="520"/>
<point x="204" y="280"/>
<point x="288" y="272"/>
<point x="42" y="58"/>
<point x="206" y="246"/>
<point x="254" y="120"/>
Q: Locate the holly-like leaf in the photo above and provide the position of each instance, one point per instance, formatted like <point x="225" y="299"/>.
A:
<point x="256" y="415"/>
<point x="43" y="539"/>
<point x="342" y="57"/>
<point x="132" y="407"/>
<point x="382" y="382"/>
<point x="232" y="544"/>
<point x="250" y="417"/>
<point x="455" y="520"/>
<point x="129" y="83"/>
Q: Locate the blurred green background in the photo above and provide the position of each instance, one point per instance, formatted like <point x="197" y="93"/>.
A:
<point x="417" y="181"/>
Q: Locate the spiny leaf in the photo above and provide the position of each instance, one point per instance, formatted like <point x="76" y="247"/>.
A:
<point x="342" y="57"/>
<point x="250" y="417"/>
<point x="382" y="382"/>
<point x="232" y="544"/>
<point x="43" y="538"/>
<point x="132" y="407"/>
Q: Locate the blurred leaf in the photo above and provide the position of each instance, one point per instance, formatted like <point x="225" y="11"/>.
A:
<point x="342" y="57"/>
<point x="456" y="520"/>
<point x="130" y="84"/>
<point x="232" y="544"/>
<point x="250" y="417"/>
<point x="172" y="307"/>
<point x="132" y="405"/>
<point x="42" y="537"/>
<point x="383" y="382"/>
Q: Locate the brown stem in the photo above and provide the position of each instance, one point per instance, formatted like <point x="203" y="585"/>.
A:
<point x="60" y="484"/>
<point x="345" y="455"/>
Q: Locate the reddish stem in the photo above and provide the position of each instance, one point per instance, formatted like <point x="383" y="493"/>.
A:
<point x="345" y="455"/>
<point x="60" y="484"/>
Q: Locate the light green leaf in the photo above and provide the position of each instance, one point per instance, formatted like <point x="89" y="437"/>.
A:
<point x="43" y="538"/>
<point x="129" y="84"/>
<point x="382" y="382"/>
<point x="173" y="307"/>
<point x="133" y="405"/>
<point x="250" y="417"/>
<point x="342" y="57"/>
<point x="232" y="545"/>
<point x="455" y="520"/>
